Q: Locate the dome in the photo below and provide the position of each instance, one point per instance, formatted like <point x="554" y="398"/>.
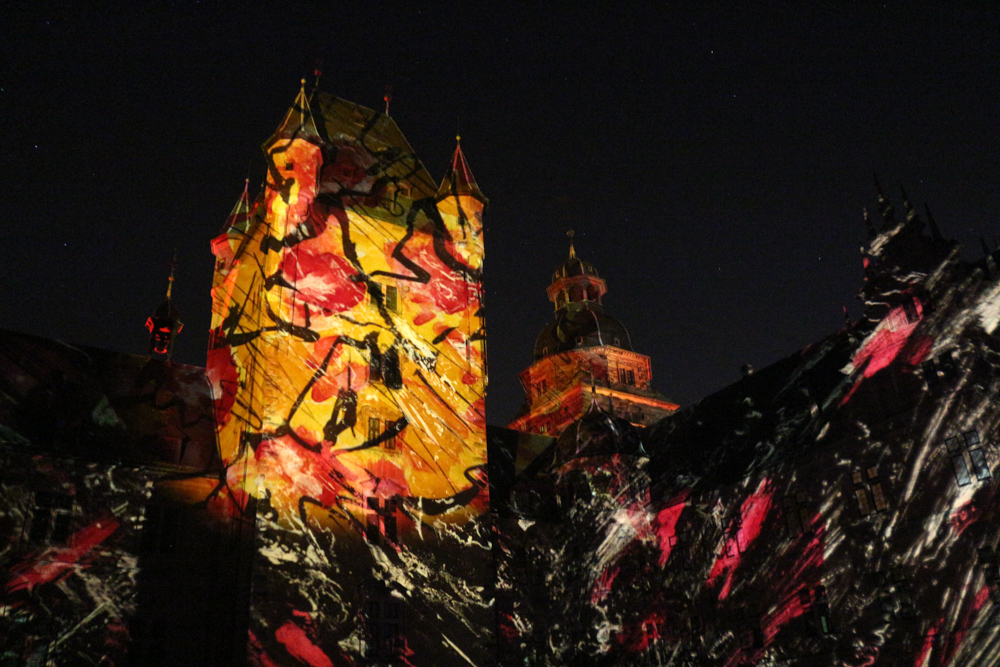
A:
<point x="598" y="433"/>
<point x="574" y="267"/>
<point x="581" y="327"/>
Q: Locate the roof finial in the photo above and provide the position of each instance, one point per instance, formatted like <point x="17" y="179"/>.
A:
<point x="317" y="72"/>
<point x="572" y="250"/>
<point x="868" y="224"/>
<point x="884" y="207"/>
<point x="387" y="97"/>
<point x="170" y="280"/>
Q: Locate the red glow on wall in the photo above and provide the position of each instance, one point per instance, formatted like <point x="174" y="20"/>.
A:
<point x="323" y="279"/>
<point x="300" y="647"/>
<point x="666" y="522"/>
<point x="57" y="562"/>
<point x="741" y="536"/>
<point x="806" y="570"/>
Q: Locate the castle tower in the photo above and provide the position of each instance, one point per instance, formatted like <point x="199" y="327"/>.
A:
<point x="348" y="366"/>
<point x="165" y="322"/>
<point x="585" y="356"/>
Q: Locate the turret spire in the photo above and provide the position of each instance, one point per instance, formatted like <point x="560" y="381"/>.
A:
<point x="572" y="250"/>
<point x="935" y="232"/>
<point x="165" y="323"/>
<point x="911" y="213"/>
<point x="458" y="180"/>
<point x="884" y="207"/>
<point x="868" y="224"/>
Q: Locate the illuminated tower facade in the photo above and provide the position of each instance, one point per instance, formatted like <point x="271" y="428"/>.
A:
<point x="348" y="369"/>
<point x="585" y="357"/>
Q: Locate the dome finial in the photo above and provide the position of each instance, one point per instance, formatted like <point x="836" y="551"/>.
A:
<point x="572" y="250"/>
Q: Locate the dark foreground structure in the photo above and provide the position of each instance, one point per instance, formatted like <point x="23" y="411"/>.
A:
<point x="327" y="493"/>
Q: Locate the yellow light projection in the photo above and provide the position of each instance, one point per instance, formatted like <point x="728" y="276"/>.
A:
<point x="347" y="353"/>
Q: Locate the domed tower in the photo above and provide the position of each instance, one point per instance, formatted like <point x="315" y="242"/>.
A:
<point x="585" y="356"/>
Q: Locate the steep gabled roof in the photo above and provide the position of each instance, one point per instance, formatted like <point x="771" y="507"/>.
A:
<point x="459" y="180"/>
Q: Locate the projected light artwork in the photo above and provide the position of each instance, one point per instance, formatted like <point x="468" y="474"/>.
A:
<point x="836" y="508"/>
<point x="347" y="361"/>
<point x="326" y="491"/>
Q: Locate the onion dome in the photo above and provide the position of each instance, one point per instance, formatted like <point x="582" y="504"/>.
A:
<point x="577" y="328"/>
<point x="576" y="291"/>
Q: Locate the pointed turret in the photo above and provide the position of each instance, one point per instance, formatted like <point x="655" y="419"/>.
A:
<point x="884" y="206"/>
<point x="935" y="232"/>
<point x="298" y="122"/>
<point x="459" y="181"/>
<point x="239" y="219"/>
<point x="911" y="213"/>
<point x="872" y="233"/>
<point x="165" y="322"/>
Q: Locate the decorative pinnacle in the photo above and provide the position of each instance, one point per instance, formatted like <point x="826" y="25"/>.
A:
<point x="387" y="97"/>
<point x="170" y="280"/>
<point x="572" y="250"/>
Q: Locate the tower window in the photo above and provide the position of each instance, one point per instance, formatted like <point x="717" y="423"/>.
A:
<point x="966" y="450"/>
<point x="381" y="519"/>
<point x="868" y="491"/>
<point x="51" y="518"/>
<point x="626" y="376"/>
<point x="289" y="166"/>
<point x="797" y="513"/>
<point x="392" y="298"/>
<point x="383" y="628"/>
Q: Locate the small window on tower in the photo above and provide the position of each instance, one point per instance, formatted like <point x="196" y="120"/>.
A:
<point x="390" y="442"/>
<point x="289" y="166"/>
<point x="392" y="298"/>
<point x="50" y="522"/>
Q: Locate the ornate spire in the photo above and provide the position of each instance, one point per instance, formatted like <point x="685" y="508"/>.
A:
<point x="298" y="122"/>
<point x="572" y="250"/>
<point x="935" y="232"/>
<point x="165" y="322"/>
<point x="868" y="224"/>
<point x="459" y="181"/>
<point x="884" y="207"/>
<point x="239" y="219"/>
<point x="911" y="213"/>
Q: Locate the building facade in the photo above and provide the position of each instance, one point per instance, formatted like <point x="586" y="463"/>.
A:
<point x="326" y="491"/>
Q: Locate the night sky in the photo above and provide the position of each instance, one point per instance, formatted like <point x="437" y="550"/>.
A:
<point x="713" y="161"/>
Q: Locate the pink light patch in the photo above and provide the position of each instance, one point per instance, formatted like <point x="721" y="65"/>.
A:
<point x="56" y="563"/>
<point x="666" y="521"/>
<point x="890" y="339"/>
<point x="300" y="647"/>
<point x="752" y="512"/>
<point x="806" y="569"/>
<point x="322" y="279"/>
<point x="602" y="586"/>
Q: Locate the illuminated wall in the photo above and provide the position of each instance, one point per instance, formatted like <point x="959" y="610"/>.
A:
<point x="839" y="507"/>
<point x="347" y="360"/>
<point x="94" y="448"/>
